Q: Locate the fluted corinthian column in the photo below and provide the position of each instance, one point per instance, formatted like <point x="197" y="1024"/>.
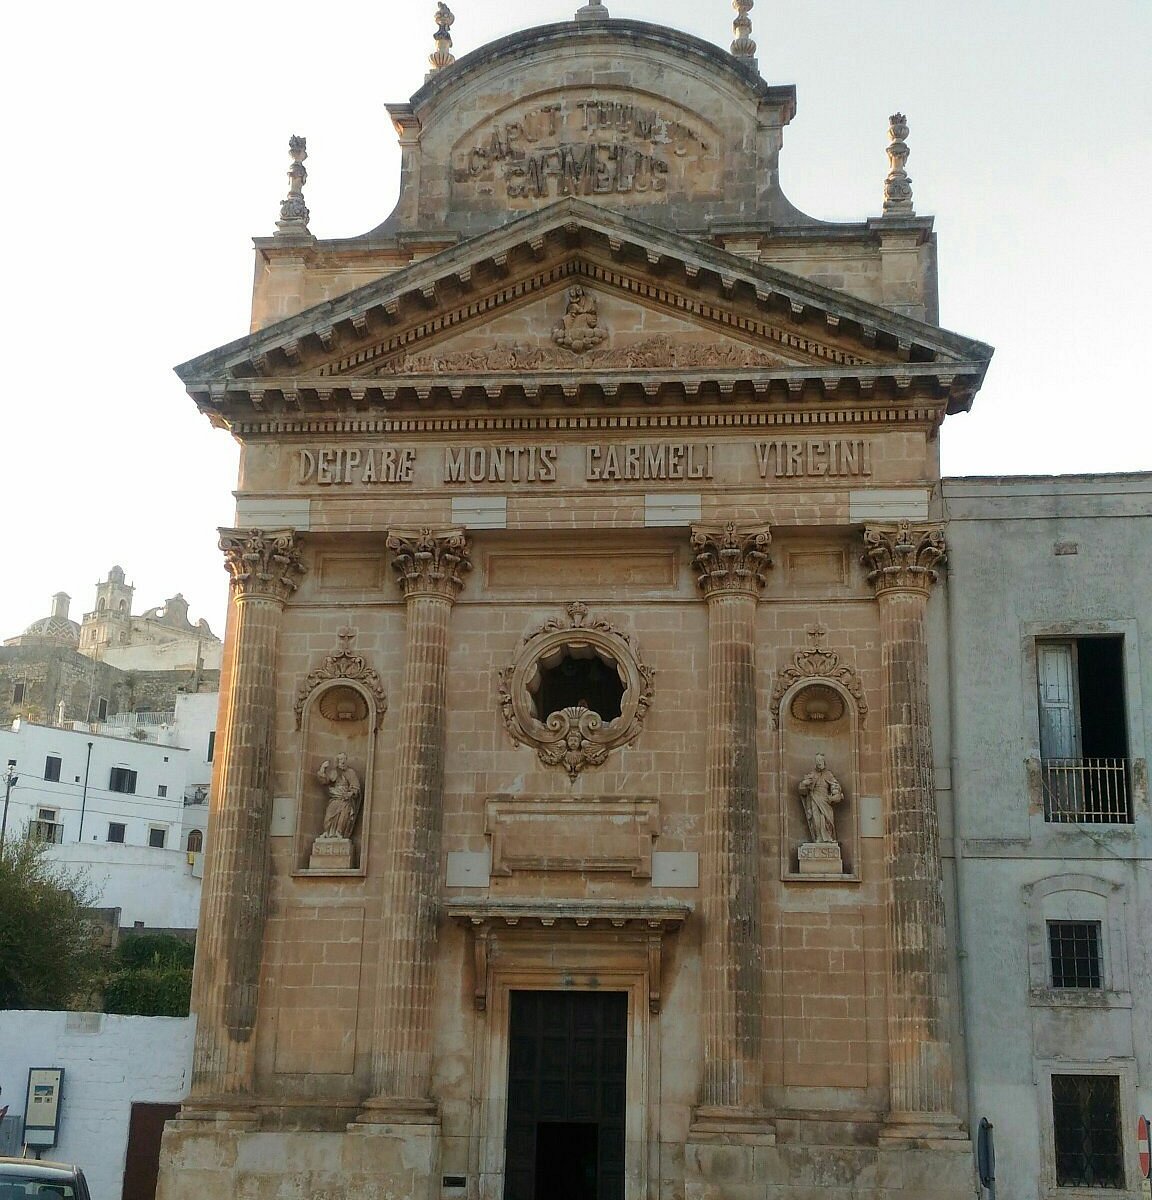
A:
<point x="731" y="565"/>
<point x="264" y="567"/>
<point x="903" y="560"/>
<point x="430" y="565"/>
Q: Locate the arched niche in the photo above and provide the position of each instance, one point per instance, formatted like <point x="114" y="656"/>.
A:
<point x="339" y="709"/>
<point x="818" y="715"/>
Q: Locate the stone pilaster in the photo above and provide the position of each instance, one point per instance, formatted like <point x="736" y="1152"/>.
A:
<point x="264" y="567"/>
<point x="903" y="560"/>
<point x="430" y="565"/>
<point x="731" y="565"/>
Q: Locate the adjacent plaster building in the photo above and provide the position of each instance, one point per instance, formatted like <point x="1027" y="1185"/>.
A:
<point x="583" y="820"/>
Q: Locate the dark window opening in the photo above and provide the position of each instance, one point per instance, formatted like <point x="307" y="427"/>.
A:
<point x="18" y="693"/>
<point x="211" y="745"/>
<point x="1087" y="1131"/>
<point x="115" y="831"/>
<point x="52" y="768"/>
<point x="122" y="779"/>
<point x="579" y="677"/>
<point x="195" y="842"/>
<point x="157" y="838"/>
<point x="1084" y="730"/>
<point x="102" y="710"/>
<point x="161" y="790"/>
<point x="1074" y="948"/>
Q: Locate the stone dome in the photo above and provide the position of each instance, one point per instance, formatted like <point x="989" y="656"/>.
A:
<point x="57" y="627"/>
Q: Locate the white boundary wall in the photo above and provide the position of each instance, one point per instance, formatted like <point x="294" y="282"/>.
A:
<point x="109" y="1063"/>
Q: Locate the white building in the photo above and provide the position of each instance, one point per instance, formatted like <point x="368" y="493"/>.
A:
<point x="1049" y="639"/>
<point x="127" y="803"/>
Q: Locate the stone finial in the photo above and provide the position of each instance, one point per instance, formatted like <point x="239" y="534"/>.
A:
<point x="594" y="10"/>
<point x="898" y="186"/>
<point x="743" y="46"/>
<point x="293" y="211"/>
<point x="442" y="56"/>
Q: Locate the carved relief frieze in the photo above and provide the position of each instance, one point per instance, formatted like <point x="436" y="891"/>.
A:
<point x="818" y="666"/>
<point x="576" y="691"/>
<point x="337" y="703"/>
<point x="661" y="351"/>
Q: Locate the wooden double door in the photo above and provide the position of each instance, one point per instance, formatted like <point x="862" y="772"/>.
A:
<point x="567" y="1061"/>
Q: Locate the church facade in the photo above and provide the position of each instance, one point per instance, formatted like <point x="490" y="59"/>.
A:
<point x="575" y="826"/>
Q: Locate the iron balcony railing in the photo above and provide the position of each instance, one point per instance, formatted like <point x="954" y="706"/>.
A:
<point x="46" y="831"/>
<point x="1086" y="791"/>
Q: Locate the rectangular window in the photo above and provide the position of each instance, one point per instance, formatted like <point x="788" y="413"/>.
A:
<point x="162" y="790"/>
<point x="211" y="744"/>
<point x="1087" y="1131"/>
<point x="46" y="827"/>
<point x="121" y="779"/>
<point x="102" y="710"/>
<point x="1083" y="730"/>
<point x="52" y="768"/>
<point x="157" y="837"/>
<point x="1074" y="950"/>
<point x="115" y="831"/>
<point x="18" y="693"/>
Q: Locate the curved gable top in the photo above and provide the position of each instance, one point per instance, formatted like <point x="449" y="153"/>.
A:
<point x="623" y="114"/>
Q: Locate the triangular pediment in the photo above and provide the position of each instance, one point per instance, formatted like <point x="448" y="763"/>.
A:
<point x="578" y="293"/>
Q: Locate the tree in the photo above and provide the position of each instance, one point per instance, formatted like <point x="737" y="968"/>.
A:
<point x="152" y="976"/>
<point x="48" y="959"/>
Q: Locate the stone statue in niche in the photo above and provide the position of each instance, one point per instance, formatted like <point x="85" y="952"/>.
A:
<point x="820" y="792"/>
<point x="333" y="850"/>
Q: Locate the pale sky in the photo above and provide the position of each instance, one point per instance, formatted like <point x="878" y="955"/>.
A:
<point x="145" y="145"/>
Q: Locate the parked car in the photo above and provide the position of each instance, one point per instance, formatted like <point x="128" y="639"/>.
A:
<point x="35" y="1179"/>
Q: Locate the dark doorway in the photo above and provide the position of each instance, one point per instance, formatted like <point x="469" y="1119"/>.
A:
<point x="142" y="1163"/>
<point x="566" y="1096"/>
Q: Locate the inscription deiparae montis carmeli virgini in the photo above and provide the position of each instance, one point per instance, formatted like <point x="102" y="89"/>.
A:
<point x="592" y="462"/>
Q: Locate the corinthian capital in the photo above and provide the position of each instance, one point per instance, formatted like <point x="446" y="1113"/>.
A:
<point x="730" y="559"/>
<point x="430" y="562"/>
<point x="262" y="562"/>
<point x="903" y="557"/>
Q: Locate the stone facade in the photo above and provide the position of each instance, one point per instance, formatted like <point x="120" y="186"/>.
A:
<point x="584" y="502"/>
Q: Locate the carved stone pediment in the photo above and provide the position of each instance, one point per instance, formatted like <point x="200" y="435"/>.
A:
<point x="494" y="304"/>
<point x="343" y="666"/>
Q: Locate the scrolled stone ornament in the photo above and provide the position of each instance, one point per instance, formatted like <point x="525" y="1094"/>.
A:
<point x="728" y="559"/>
<point x="262" y="563"/>
<point x="430" y="562"/>
<point x="904" y="557"/>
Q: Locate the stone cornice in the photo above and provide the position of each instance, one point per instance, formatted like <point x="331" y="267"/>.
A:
<point x="729" y="559"/>
<point x="903" y="557"/>
<point x="431" y="295"/>
<point x="435" y="424"/>
<point x="262" y="563"/>
<point x="430" y="562"/>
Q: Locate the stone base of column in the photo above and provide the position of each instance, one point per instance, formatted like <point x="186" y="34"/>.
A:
<point x="719" y="1121"/>
<point x="397" y="1110"/>
<point x="226" y="1111"/>
<point x="384" y="1161"/>
<point x="804" y="1163"/>
<point x="924" y="1130"/>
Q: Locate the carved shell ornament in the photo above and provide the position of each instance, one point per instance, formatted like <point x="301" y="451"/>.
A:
<point x="576" y="691"/>
<point x="819" y="668"/>
<point x="347" y="703"/>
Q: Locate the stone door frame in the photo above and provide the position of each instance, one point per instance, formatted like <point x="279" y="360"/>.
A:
<point x="642" y="1087"/>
